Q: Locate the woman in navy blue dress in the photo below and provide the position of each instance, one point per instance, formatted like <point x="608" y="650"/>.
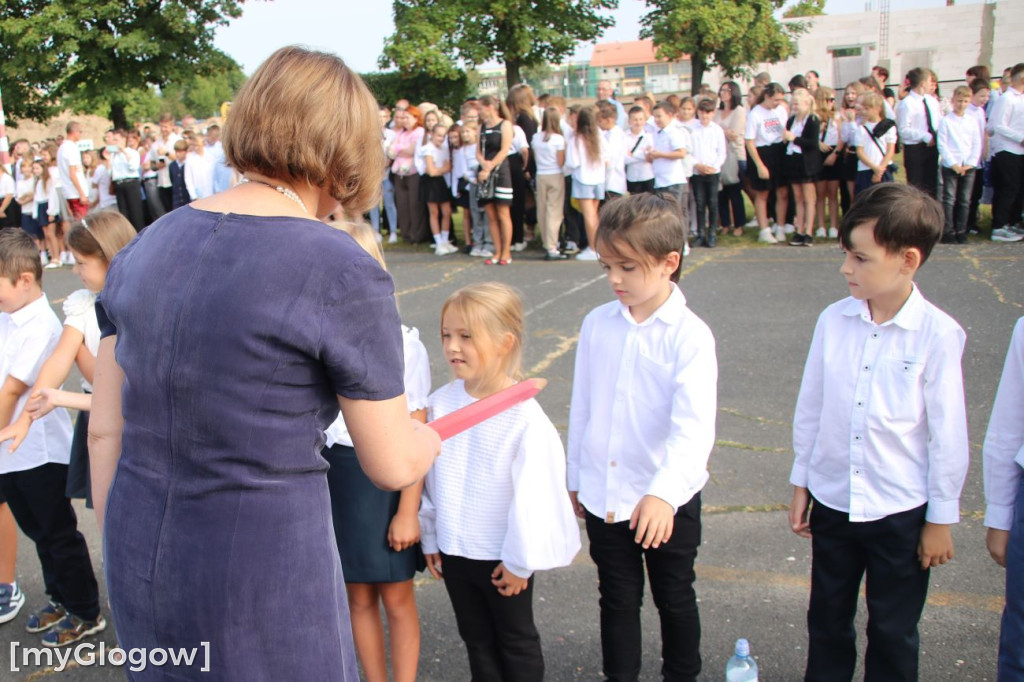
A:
<point x="241" y="323"/>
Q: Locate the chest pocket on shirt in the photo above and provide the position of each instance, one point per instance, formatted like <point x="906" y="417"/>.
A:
<point x="653" y="382"/>
<point x="902" y="373"/>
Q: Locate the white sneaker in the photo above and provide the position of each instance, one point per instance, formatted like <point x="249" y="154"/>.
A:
<point x="67" y="258"/>
<point x="1002" y="234"/>
<point x="486" y="253"/>
<point x="393" y="238"/>
<point x="571" y="248"/>
<point x="686" y="249"/>
<point x="440" y="250"/>
<point x="44" y="258"/>
<point x="833" y="233"/>
<point x="820" y="233"/>
<point x="379" y="236"/>
<point x="475" y="252"/>
<point x="1016" y="229"/>
<point x="587" y="254"/>
<point x="751" y="223"/>
<point x="765" y="236"/>
<point x="519" y="246"/>
<point x="779" y="233"/>
<point x="790" y="228"/>
<point x="52" y="265"/>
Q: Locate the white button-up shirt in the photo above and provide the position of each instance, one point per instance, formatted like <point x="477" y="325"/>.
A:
<point x="959" y="141"/>
<point x="668" y="172"/>
<point x="881" y="424"/>
<point x="642" y="420"/>
<point x="911" y="120"/>
<point x="27" y="337"/>
<point x="709" y="145"/>
<point x="1006" y="123"/>
<point x="1003" y="453"/>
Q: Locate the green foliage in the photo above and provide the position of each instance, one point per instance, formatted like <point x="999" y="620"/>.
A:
<point x="434" y="36"/>
<point x="732" y="35"/>
<point x="805" y="8"/>
<point x="447" y="93"/>
<point x="87" y="55"/>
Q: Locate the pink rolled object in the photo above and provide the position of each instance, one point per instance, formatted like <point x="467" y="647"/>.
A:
<point x="469" y="416"/>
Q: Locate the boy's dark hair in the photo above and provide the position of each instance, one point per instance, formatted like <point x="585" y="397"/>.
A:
<point x="797" y="81"/>
<point x="904" y="217"/>
<point x="607" y="110"/>
<point x="637" y="110"/>
<point x="18" y="254"/>
<point x="915" y="77"/>
<point x="648" y="224"/>
<point x="979" y="71"/>
<point x="665" y="106"/>
<point x="977" y="85"/>
<point x="706" y="105"/>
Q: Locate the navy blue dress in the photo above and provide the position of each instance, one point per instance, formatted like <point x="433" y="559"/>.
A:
<point x="235" y="333"/>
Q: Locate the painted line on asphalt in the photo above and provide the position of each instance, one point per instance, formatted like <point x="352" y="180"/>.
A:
<point x="568" y="292"/>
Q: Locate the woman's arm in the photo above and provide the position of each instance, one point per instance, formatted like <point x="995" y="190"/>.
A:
<point x="394" y="450"/>
<point x="404" y="529"/>
<point x="106" y="423"/>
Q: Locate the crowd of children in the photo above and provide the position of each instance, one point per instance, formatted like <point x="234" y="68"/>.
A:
<point x="879" y="434"/>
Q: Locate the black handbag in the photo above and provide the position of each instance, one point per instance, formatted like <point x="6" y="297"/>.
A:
<point x="486" y="188"/>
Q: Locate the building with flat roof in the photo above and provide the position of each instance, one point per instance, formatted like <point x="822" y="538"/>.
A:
<point x="632" y="68"/>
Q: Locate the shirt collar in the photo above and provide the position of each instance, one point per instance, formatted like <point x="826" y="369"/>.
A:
<point x="909" y="317"/>
<point x="670" y="312"/>
<point x="20" y="317"/>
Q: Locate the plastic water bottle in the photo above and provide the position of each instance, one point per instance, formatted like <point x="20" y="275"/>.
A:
<point x="741" y="667"/>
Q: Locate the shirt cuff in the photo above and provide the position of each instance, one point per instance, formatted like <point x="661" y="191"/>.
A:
<point x="999" y="516"/>
<point x="572" y="478"/>
<point x="670" y="492"/>
<point x="926" y="138"/>
<point x="518" y="571"/>
<point x="798" y="475"/>
<point x="944" y="512"/>
<point x="428" y="543"/>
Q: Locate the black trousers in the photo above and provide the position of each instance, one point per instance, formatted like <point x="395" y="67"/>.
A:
<point x="842" y="552"/>
<point x="37" y="501"/>
<point x="620" y="571"/>
<point x="519" y="190"/>
<point x="705" y="198"/>
<point x="977" y="189"/>
<point x="129" y="202"/>
<point x="1007" y="188"/>
<point x="922" y="164"/>
<point x="730" y="206"/>
<point x="640" y="186"/>
<point x="501" y="639"/>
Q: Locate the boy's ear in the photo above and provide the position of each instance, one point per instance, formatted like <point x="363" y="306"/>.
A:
<point x="25" y="280"/>
<point x="671" y="262"/>
<point x="911" y="260"/>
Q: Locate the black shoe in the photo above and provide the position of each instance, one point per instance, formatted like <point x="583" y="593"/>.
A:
<point x="797" y="239"/>
<point x="712" y="239"/>
<point x="947" y="239"/>
<point x="808" y="240"/>
<point x="700" y="242"/>
<point x="554" y="255"/>
<point x="961" y="238"/>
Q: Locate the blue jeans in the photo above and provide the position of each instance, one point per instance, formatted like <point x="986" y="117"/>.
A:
<point x="956" y="199"/>
<point x="387" y="192"/>
<point x="1011" y="653"/>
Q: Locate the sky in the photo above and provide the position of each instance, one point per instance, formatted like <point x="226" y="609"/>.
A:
<point x="330" y="25"/>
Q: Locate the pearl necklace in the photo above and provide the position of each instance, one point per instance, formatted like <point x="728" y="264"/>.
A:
<point x="286" y="191"/>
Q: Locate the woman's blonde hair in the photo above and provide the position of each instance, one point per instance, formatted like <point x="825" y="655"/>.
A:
<point x="305" y="116"/>
<point x="494" y="310"/>
<point x="363" y="235"/>
<point x="101" y="234"/>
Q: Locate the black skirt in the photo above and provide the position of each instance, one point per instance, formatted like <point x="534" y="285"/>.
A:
<point x="773" y="157"/>
<point x="362" y="513"/>
<point x="502" y="186"/>
<point x="434" y="190"/>
<point x="795" y="172"/>
<point x="849" y="171"/>
<point x="833" y="172"/>
<point x="79" y="485"/>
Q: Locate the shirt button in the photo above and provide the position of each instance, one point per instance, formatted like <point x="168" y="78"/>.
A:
<point x="612" y="463"/>
<point x="875" y="335"/>
<point x="867" y="368"/>
<point x="857" y="438"/>
<point x="860" y="403"/>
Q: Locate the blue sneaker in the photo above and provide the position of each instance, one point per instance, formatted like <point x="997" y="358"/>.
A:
<point x="11" y="601"/>
<point x="45" y="618"/>
<point x="72" y="629"/>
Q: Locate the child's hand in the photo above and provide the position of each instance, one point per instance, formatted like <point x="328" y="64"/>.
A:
<point x="434" y="565"/>
<point x="577" y="508"/>
<point x="762" y="172"/>
<point x="508" y="583"/>
<point x="16" y="432"/>
<point x="799" y="512"/>
<point x="936" y="545"/>
<point x="403" y="531"/>
<point x="825" y="149"/>
<point x="652" y="519"/>
<point x="997" y="541"/>
<point x="42" y="402"/>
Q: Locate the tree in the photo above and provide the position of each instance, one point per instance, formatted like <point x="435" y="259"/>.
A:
<point x="732" y="35"/>
<point x="447" y="93"/>
<point x="433" y="36"/>
<point x="96" y="54"/>
<point x="805" y="8"/>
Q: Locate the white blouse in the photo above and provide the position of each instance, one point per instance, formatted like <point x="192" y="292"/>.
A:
<point x="417" y="384"/>
<point x="80" y="314"/>
<point x="497" y="492"/>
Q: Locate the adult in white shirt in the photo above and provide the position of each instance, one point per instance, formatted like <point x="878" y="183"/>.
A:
<point x="671" y="146"/>
<point x="222" y="174"/>
<point x="198" y="171"/>
<point x="917" y="120"/>
<point x="1003" y="456"/>
<point x="959" y="143"/>
<point x="1006" y="130"/>
<point x="125" y="168"/>
<point x="72" y="174"/>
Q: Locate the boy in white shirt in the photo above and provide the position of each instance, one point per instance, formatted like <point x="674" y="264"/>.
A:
<point x="880" y="441"/>
<point x="960" y="154"/>
<point x="671" y="146"/>
<point x="33" y="478"/>
<point x="1003" y="457"/>
<point x="615" y="146"/>
<point x="709" y="149"/>
<point x="639" y="172"/>
<point x="641" y="429"/>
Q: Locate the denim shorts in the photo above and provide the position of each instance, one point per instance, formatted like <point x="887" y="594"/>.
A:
<point x="581" y="191"/>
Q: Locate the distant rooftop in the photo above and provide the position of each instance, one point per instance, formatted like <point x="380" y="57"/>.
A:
<point x="624" y="53"/>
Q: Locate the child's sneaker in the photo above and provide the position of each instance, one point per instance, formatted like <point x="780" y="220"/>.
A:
<point x="393" y="238"/>
<point x="779" y="232"/>
<point x="67" y="258"/>
<point x="820" y="233"/>
<point x="52" y="265"/>
<point x="11" y="601"/>
<point x="45" y="618"/>
<point x="765" y="236"/>
<point x="1005" y="234"/>
<point x="72" y="629"/>
<point x="790" y="228"/>
<point x="44" y="258"/>
<point x="833" y="233"/>
<point x="571" y="248"/>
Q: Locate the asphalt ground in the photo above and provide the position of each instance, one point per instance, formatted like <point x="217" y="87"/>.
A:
<point x="761" y="302"/>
